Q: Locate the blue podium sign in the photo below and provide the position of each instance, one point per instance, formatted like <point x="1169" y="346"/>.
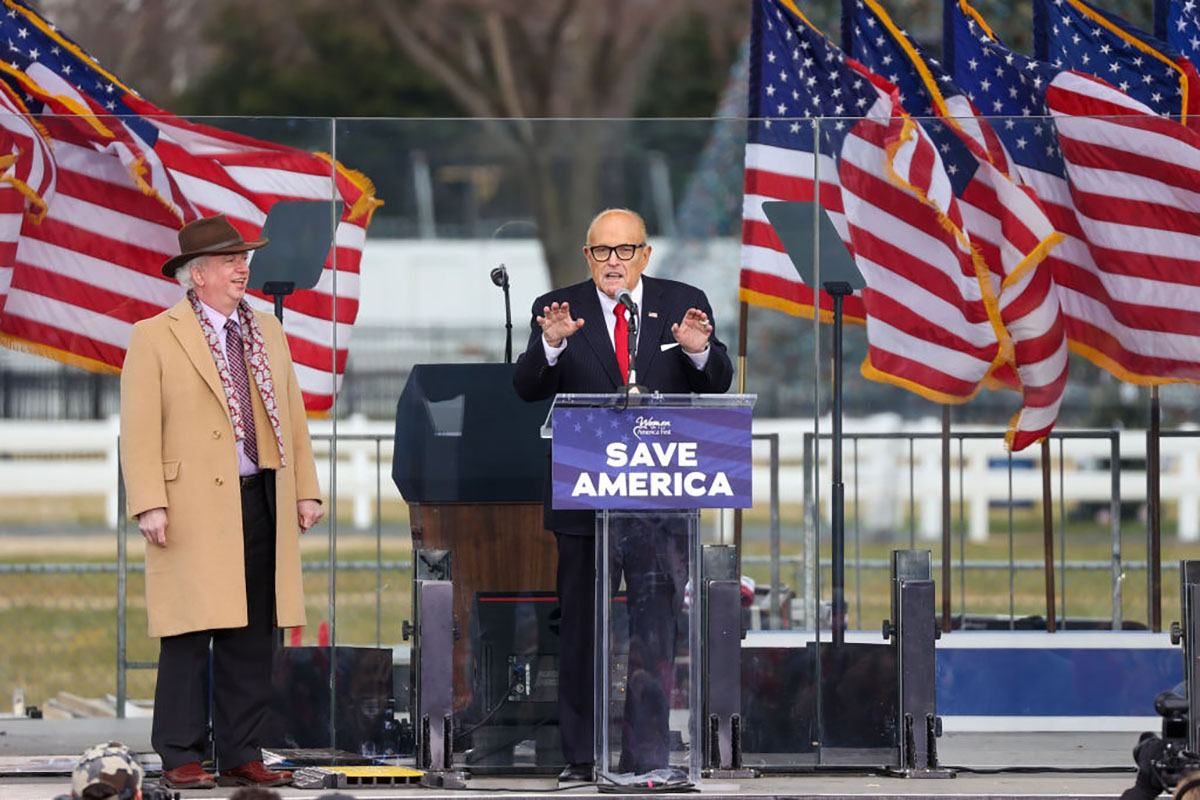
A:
<point x="651" y="458"/>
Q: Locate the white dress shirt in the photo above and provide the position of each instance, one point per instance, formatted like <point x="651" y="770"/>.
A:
<point x="218" y="320"/>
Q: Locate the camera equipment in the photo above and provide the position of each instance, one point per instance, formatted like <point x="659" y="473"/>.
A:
<point x="1164" y="760"/>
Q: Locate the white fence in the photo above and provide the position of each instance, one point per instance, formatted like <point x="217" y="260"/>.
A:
<point x="74" y="459"/>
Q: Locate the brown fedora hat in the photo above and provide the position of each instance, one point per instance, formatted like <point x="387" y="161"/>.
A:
<point x="206" y="237"/>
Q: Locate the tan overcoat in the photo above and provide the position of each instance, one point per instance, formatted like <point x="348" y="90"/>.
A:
<point x="178" y="451"/>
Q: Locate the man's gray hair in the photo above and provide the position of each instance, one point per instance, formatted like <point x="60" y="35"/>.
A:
<point x="183" y="273"/>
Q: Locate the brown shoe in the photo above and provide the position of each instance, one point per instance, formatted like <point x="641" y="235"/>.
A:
<point x="189" y="776"/>
<point x="254" y="773"/>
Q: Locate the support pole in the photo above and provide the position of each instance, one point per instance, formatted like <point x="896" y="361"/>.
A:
<point x="1048" y="538"/>
<point x="946" y="615"/>
<point x="1154" y="514"/>
<point x="743" y="329"/>
<point x="838" y="291"/>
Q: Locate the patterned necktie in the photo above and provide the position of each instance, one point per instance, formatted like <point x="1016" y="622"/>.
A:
<point x="235" y="357"/>
<point x="621" y="340"/>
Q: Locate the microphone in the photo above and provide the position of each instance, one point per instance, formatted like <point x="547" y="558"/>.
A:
<point x="500" y="276"/>
<point x="626" y="299"/>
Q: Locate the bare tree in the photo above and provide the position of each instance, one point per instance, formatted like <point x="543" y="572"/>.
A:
<point x="155" y="46"/>
<point x="568" y="59"/>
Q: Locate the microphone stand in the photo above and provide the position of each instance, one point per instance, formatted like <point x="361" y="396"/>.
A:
<point x="499" y="277"/>
<point x="507" y="324"/>
<point x="632" y="386"/>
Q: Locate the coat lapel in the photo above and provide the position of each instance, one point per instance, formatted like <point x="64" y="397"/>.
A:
<point x="595" y="332"/>
<point x="651" y="326"/>
<point x="186" y="329"/>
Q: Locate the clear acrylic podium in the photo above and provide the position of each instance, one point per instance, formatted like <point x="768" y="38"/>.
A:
<point x="646" y="465"/>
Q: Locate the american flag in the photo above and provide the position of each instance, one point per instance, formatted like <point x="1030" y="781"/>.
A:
<point x="1183" y="27"/>
<point x="1072" y="34"/>
<point x="822" y="117"/>
<point x="784" y="161"/>
<point x="27" y="179"/>
<point x="1003" y="221"/>
<point x="1128" y="291"/>
<point x="128" y="174"/>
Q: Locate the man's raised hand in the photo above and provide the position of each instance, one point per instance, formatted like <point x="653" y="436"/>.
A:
<point x="557" y="323"/>
<point x="694" y="331"/>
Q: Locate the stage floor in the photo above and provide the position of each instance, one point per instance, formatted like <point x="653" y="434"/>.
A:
<point x="1089" y="764"/>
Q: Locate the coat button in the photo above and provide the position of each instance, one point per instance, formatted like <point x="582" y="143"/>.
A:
<point x="216" y="434"/>
<point x="219" y="481"/>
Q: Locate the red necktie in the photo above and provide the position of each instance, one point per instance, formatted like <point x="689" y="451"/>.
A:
<point x="621" y="340"/>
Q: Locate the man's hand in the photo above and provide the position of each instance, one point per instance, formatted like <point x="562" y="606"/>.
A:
<point x="153" y="525"/>
<point x="308" y="513"/>
<point x="693" y="332"/>
<point x="557" y="324"/>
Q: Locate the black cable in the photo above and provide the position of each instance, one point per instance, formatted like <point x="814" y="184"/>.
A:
<point x="1053" y="770"/>
<point x="495" y="709"/>
<point x="510" y="790"/>
<point x="533" y="726"/>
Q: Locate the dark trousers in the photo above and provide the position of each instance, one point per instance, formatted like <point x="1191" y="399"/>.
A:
<point x="652" y="558"/>
<point x="241" y="661"/>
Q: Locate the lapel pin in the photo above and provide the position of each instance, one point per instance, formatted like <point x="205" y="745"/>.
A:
<point x="652" y="314"/>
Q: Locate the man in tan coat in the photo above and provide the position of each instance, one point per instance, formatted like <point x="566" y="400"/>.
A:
<point x="219" y="473"/>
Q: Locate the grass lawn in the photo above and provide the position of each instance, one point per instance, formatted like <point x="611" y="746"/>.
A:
<point x="59" y="629"/>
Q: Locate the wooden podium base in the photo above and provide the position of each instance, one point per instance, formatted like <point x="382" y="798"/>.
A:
<point x="494" y="547"/>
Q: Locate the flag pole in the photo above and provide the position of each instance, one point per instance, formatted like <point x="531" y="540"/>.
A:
<point x="946" y="616"/>
<point x="1154" y="514"/>
<point x="1048" y="537"/>
<point x="743" y="327"/>
<point x="1160" y="19"/>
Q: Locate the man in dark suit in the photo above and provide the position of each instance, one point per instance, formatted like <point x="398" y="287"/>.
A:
<point x="577" y="344"/>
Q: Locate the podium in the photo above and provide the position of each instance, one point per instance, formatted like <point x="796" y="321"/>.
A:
<point x="646" y="465"/>
<point x="472" y="471"/>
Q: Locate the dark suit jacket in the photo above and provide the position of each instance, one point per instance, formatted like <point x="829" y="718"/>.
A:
<point x="589" y="364"/>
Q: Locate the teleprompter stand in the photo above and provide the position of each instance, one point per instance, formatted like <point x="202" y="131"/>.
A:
<point x="914" y="629"/>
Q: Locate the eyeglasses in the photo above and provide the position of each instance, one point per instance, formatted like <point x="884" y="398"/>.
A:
<point x="601" y="252"/>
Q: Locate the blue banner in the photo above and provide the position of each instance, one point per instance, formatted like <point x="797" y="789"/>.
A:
<point x="651" y="458"/>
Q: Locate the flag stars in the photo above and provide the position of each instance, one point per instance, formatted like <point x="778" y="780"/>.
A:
<point x="770" y="90"/>
<point x="794" y="127"/>
<point x="986" y="85"/>
<point x="973" y="64"/>
<point x="23" y="33"/>
<point x="1021" y="142"/>
<point x="66" y="69"/>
